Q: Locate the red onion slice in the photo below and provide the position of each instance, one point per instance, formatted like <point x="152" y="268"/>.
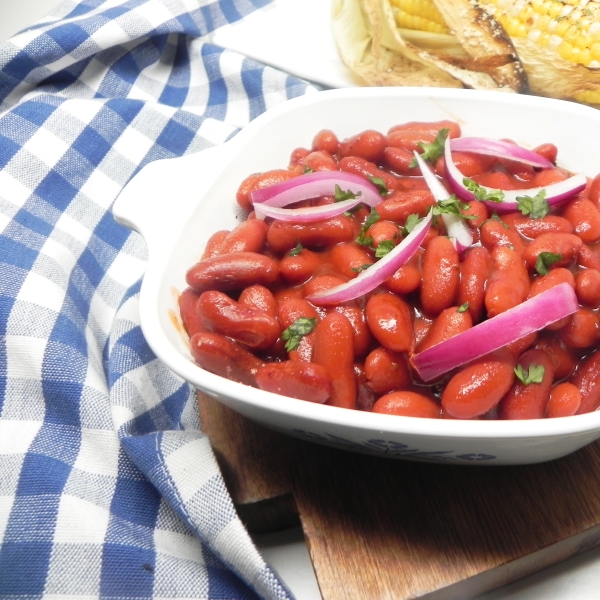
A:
<point x="456" y="227"/>
<point x="532" y="315"/>
<point x="555" y="193"/>
<point x="314" y="185"/>
<point x="309" y="214"/>
<point x="376" y="274"/>
<point x="500" y="149"/>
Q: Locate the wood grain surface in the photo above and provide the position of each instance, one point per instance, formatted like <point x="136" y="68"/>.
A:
<point x="397" y="529"/>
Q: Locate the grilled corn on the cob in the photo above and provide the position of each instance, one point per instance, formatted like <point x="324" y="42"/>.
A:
<point x="548" y="47"/>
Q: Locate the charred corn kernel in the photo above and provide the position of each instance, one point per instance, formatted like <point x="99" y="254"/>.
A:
<point x="587" y="97"/>
<point x="571" y="27"/>
<point x="419" y="15"/>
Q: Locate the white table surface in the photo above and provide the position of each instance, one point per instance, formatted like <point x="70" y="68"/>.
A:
<point x="575" y="579"/>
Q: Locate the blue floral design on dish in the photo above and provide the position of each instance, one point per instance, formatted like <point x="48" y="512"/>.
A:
<point x="391" y="448"/>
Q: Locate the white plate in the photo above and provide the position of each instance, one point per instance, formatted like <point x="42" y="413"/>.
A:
<point x="294" y="36"/>
<point x="176" y="233"/>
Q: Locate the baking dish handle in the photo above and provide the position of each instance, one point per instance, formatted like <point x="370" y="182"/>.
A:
<point x="147" y="203"/>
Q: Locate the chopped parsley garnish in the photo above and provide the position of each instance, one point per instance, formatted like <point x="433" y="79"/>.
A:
<point x="451" y="206"/>
<point x="481" y="193"/>
<point x="379" y="184"/>
<point x="535" y="206"/>
<point x="545" y="260"/>
<point x="384" y="247"/>
<point x="340" y="195"/>
<point x="296" y="250"/>
<point x="432" y="151"/>
<point x="463" y="307"/>
<point x="411" y="222"/>
<point x="296" y="331"/>
<point x="362" y="238"/>
<point x="361" y="268"/>
<point x="496" y="217"/>
<point x="535" y="374"/>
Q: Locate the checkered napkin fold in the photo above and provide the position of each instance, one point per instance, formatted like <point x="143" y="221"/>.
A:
<point x="107" y="487"/>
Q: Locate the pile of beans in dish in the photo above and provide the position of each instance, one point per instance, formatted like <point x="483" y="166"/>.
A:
<point x="416" y="272"/>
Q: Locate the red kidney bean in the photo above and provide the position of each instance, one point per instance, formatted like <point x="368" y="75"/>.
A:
<point x="190" y="317"/>
<point x="390" y="319"/>
<point x="406" y="279"/>
<point x="326" y="140"/>
<point x="384" y="230"/>
<point x="368" y="145"/>
<point x="582" y="329"/>
<point x="428" y="129"/>
<point x="587" y="287"/>
<point x="260" y="298"/>
<point x="532" y="228"/>
<point x="365" y="398"/>
<point x="498" y="180"/>
<point x="528" y="400"/>
<point x="475" y="269"/>
<point x="302" y="380"/>
<point x="386" y="371"/>
<point x="368" y="170"/>
<point x="495" y="233"/>
<point x="546" y="177"/>
<point x="587" y="380"/>
<point x="564" y="359"/>
<point x="319" y="160"/>
<point x="564" y="400"/>
<point x="440" y="274"/>
<point x="249" y="236"/>
<point x="214" y="243"/>
<point x="407" y="403"/>
<point x="290" y="310"/>
<point x="350" y="258"/>
<point x="565" y="245"/>
<point x="232" y="272"/>
<point x="297" y="155"/>
<point x="588" y="257"/>
<point x="322" y="283"/>
<point x="508" y="284"/>
<point x="479" y="386"/>
<point x="362" y="334"/>
<point x="282" y="294"/>
<point x="584" y="215"/>
<point x="282" y="236"/>
<point x="398" y="206"/>
<point x="298" y="268"/>
<point x="258" y="181"/>
<point x="249" y="326"/>
<point x="593" y="190"/>
<point x="450" y="322"/>
<point x="400" y="161"/>
<point x="222" y="356"/>
<point x="477" y="213"/>
<point x="468" y="163"/>
<point x="548" y="151"/>
<point x="334" y="350"/>
<point x="521" y="344"/>
<point x="553" y="278"/>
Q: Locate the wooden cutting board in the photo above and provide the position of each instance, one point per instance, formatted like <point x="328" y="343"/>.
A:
<point x="389" y="528"/>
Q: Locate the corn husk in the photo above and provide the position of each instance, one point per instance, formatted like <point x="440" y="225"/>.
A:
<point x="550" y="75"/>
<point x="477" y="55"/>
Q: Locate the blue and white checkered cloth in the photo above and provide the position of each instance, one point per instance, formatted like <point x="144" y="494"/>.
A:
<point x="107" y="487"/>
